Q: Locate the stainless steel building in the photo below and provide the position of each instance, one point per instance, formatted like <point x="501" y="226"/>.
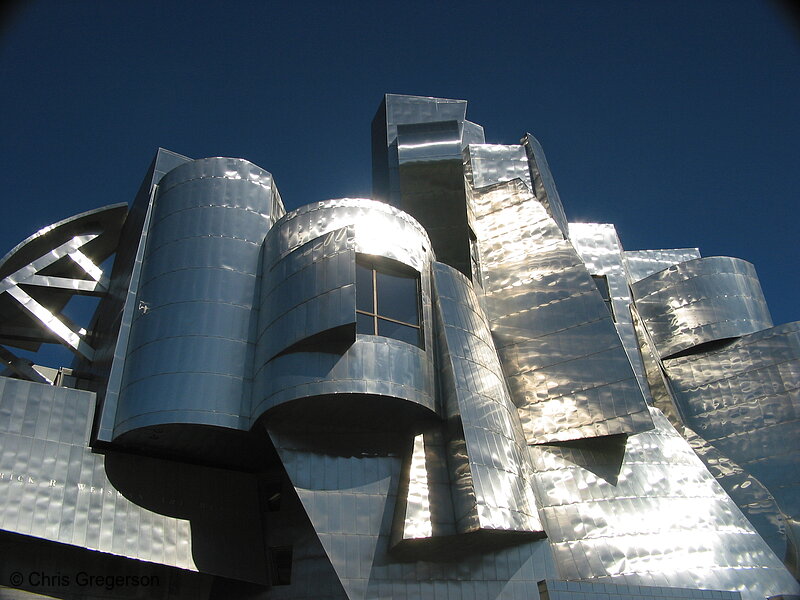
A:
<point x="445" y="391"/>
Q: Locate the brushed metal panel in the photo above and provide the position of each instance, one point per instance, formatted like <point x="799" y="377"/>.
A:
<point x="643" y="263"/>
<point x="209" y="219"/>
<point x="53" y="487"/>
<point x="744" y="401"/>
<point x="540" y="298"/>
<point x="644" y="510"/>
<point x="476" y="393"/>
<point x="699" y="301"/>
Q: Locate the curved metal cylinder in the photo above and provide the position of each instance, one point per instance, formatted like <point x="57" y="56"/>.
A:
<point x="308" y="353"/>
<point x="699" y="301"/>
<point x="190" y="348"/>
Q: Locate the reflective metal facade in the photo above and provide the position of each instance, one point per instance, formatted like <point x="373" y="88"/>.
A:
<point x="447" y="391"/>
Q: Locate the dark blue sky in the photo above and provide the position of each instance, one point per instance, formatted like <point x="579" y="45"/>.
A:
<point x="677" y="121"/>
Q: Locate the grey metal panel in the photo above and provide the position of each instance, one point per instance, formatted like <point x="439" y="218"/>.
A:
<point x="475" y="393"/>
<point x="744" y="400"/>
<point x="347" y="495"/>
<point x="702" y="300"/>
<point x="544" y="187"/>
<point x="546" y="312"/>
<point x="209" y="220"/>
<point x="487" y="164"/>
<point x="52" y="486"/>
<point x="601" y="251"/>
<point x="307" y="292"/>
<point x="433" y="141"/>
<point x="115" y="312"/>
<point x="585" y="590"/>
<point x="397" y="109"/>
<point x="643" y="263"/>
<point x="622" y="512"/>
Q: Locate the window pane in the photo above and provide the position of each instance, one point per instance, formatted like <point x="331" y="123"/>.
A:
<point x="400" y="332"/>
<point x="601" y="281"/>
<point x="365" y="324"/>
<point x="364" y="288"/>
<point x="397" y="297"/>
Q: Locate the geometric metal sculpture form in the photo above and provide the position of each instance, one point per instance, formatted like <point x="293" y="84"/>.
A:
<point x="445" y="391"/>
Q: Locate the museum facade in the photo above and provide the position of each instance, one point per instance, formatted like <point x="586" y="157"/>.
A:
<point x="445" y="391"/>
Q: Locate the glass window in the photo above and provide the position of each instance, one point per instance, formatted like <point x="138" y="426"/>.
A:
<point x="601" y="281"/>
<point x="475" y="261"/>
<point x="388" y="300"/>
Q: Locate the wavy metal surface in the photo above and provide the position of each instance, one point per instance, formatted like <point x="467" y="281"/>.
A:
<point x="475" y="394"/>
<point x="52" y="486"/>
<point x="744" y="400"/>
<point x="564" y="363"/>
<point x="699" y="301"/>
<point x="190" y="349"/>
<point x="643" y="263"/>
<point x="644" y="510"/>
<point x="344" y="376"/>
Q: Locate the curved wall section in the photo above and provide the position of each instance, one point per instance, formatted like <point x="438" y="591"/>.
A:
<point x="699" y="301"/>
<point x="309" y="294"/>
<point x="190" y="348"/>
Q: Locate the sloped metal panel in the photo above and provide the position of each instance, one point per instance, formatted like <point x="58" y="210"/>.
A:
<point x="544" y="186"/>
<point x="488" y="164"/>
<point x="644" y="510"/>
<point x="701" y="301"/>
<point x="190" y="350"/>
<point x="476" y="392"/>
<point x="564" y="363"/>
<point x="601" y="251"/>
<point x="744" y="400"/>
<point x="116" y="312"/>
<point x="348" y="483"/>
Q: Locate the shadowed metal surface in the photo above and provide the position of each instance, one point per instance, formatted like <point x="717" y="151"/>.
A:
<point x="699" y="301"/>
<point x="564" y="363"/>
<point x="644" y="510"/>
<point x="190" y="346"/>
<point x="52" y="486"/>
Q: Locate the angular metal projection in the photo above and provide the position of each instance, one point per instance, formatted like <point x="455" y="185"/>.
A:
<point x="448" y="391"/>
<point x="564" y="363"/>
<point x="699" y="301"/>
<point x="42" y="274"/>
<point x="475" y="395"/>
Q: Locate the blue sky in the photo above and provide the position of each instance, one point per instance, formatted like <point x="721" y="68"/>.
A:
<point x="677" y="121"/>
